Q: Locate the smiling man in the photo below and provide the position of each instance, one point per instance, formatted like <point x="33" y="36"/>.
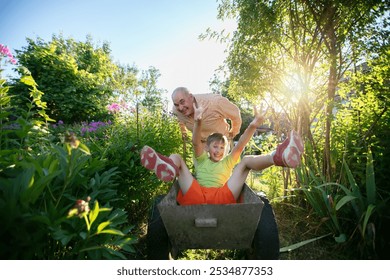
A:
<point x="217" y="110"/>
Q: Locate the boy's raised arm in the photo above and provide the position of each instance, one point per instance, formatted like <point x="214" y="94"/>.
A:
<point x="248" y="133"/>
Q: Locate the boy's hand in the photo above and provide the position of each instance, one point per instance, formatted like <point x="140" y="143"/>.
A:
<point x="259" y="116"/>
<point x="198" y="112"/>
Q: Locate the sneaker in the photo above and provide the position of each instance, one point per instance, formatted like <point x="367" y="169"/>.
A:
<point x="163" y="166"/>
<point x="288" y="154"/>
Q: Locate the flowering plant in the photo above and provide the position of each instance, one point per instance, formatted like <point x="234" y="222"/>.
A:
<point x="114" y="108"/>
<point x="4" y="51"/>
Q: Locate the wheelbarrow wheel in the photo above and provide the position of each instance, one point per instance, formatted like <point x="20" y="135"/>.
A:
<point x="157" y="240"/>
<point x="266" y="239"/>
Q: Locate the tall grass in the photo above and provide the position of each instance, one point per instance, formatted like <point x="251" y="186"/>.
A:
<point x="349" y="210"/>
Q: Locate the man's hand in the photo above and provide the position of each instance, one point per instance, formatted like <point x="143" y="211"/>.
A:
<point x="198" y="112"/>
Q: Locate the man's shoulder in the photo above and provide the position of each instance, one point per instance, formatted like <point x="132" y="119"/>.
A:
<point x="205" y="96"/>
<point x="209" y="98"/>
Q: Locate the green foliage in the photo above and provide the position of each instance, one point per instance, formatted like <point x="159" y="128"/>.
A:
<point x="21" y="130"/>
<point x="121" y="145"/>
<point x="77" y="77"/>
<point x="39" y="183"/>
<point x="309" y="69"/>
<point x="51" y="173"/>
<point x="350" y="211"/>
<point x="37" y="192"/>
<point x="269" y="180"/>
<point x="98" y="237"/>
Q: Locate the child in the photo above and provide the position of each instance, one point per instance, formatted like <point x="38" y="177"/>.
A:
<point x="215" y="182"/>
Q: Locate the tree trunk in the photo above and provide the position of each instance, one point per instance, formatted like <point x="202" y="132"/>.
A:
<point x="332" y="82"/>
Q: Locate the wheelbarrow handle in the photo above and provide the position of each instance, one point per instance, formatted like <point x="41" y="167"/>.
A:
<point x="206" y="222"/>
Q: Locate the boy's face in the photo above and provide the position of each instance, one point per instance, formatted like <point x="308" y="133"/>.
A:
<point x="216" y="150"/>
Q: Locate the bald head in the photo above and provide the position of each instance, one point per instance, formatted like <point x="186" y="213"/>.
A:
<point x="182" y="100"/>
<point x="182" y="90"/>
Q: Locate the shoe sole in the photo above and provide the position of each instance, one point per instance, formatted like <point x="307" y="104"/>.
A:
<point x="292" y="154"/>
<point x="151" y="161"/>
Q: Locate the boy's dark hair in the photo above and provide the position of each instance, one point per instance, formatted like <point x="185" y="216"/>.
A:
<point x="216" y="137"/>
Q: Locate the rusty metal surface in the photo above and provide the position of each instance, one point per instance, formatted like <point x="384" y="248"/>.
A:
<point x="227" y="226"/>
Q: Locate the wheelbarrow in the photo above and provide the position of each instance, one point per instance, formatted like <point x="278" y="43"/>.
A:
<point x="249" y="224"/>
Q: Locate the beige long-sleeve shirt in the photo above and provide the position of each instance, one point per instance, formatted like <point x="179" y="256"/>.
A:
<point x="217" y="109"/>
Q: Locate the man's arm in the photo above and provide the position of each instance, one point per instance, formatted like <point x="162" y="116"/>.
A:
<point x="248" y="133"/>
<point x="182" y="126"/>
<point x="183" y="130"/>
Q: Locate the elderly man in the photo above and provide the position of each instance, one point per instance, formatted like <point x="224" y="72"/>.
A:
<point x="217" y="110"/>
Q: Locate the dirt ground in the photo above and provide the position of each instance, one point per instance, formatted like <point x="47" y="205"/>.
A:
<point x="297" y="225"/>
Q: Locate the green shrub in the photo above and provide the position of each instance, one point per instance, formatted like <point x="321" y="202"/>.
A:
<point x="41" y="181"/>
<point x="120" y="145"/>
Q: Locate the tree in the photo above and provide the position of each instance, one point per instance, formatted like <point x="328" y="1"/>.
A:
<point x="152" y="96"/>
<point x="295" y="53"/>
<point x="325" y="64"/>
<point x="76" y="77"/>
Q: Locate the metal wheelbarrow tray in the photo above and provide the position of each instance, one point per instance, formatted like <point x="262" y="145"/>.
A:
<point x="249" y="224"/>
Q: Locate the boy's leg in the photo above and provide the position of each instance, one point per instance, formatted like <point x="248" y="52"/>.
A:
<point x="167" y="168"/>
<point x="288" y="154"/>
<point x="241" y="171"/>
<point x="185" y="178"/>
<point x="163" y="166"/>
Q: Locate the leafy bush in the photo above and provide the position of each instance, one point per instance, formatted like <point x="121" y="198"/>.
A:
<point x="77" y="77"/>
<point x="40" y="182"/>
<point x="120" y="147"/>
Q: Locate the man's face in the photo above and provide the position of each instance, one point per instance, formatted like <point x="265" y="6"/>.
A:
<point x="183" y="103"/>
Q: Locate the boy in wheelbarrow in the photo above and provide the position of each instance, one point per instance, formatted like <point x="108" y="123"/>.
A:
<point x="219" y="179"/>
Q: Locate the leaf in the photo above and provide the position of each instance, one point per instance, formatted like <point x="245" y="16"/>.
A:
<point x="352" y="182"/>
<point x="28" y="80"/>
<point x="370" y="179"/>
<point x="103" y="226"/>
<point x="63" y="236"/>
<point x="341" y="238"/>
<point x="39" y="186"/>
<point x="84" y="148"/>
<point x="300" y="244"/>
<point x="367" y="216"/>
<point x="344" y="200"/>
<point x="116" y="253"/>
<point x="83" y="235"/>
<point x="94" y="213"/>
<point x="112" y="231"/>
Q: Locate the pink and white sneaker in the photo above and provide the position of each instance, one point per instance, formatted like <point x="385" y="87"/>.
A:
<point x="288" y="154"/>
<point x="163" y="166"/>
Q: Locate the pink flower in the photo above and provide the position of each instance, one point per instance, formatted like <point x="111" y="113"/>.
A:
<point x="4" y="50"/>
<point x="114" y="107"/>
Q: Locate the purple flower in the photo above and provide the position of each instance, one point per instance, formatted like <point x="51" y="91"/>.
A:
<point x="92" y="126"/>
